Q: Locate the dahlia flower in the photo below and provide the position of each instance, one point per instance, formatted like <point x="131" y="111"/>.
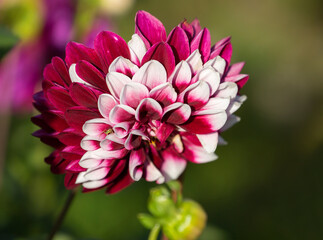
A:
<point x="120" y="112"/>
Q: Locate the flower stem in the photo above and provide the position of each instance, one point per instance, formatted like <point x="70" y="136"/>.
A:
<point x="62" y="214"/>
<point x="154" y="232"/>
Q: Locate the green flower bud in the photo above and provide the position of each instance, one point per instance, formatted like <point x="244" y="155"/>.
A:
<point x="160" y="203"/>
<point x="187" y="224"/>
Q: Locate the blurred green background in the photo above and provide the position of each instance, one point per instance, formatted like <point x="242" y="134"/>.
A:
<point x="267" y="182"/>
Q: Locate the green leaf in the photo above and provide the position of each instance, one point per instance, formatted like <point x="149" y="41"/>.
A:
<point x="147" y="220"/>
<point x="7" y="40"/>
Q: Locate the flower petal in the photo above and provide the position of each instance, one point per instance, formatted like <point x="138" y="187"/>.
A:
<point x="122" y="113"/>
<point x="95" y="127"/>
<point x="149" y="28"/>
<point x="235" y="69"/>
<point x="90" y="74"/>
<point x="181" y="76"/>
<point x="105" y="104"/>
<point x="202" y="42"/>
<point x="121" y="129"/>
<point x="163" y="53"/>
<point x="132" y="93"/>
<point x="196" y="95"/>
<point x="148" y="109"/>
<point x="176" y="113"/>
<point x="202" y="124"/>
<point x="90" y="144"/>
<point x="151" y="74"/>
<point x="76" y="52"/>
<point x="137" y="49"/>
<point x="123" y="65"/>
<point x="232" y="119"/>
<point x="136" y="161"/>
<point x="164" y="93"/>
<point x="209" y="141"/>
<point x="179" y="42"/>
<point x="211" y="76"/>
<point x="214" y="105"/>
<point x="173" y="165"/>
<point x="134" y="139"/>
<point x="218" y="63"/>
<point x="116" y="82"/>
<point x="195" y="152"/>
<point x="195" y="61"/>
<point x="83" y="95"/>
<point x="227" y="90"/>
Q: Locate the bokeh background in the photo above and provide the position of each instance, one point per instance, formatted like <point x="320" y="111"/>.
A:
<point x="267" y="182"/>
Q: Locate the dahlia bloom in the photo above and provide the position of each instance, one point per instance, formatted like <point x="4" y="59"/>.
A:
<point x="119" y="112"/>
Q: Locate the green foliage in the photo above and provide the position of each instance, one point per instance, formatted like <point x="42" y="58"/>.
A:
<point x="7" y="40"/>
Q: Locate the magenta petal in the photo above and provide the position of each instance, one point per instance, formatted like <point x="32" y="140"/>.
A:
<point x="188" y="29"/>
<point x="222" y="48"/>
<point x="202" y="42"/>
<point x="60" y="66"/>
<point x="164" y="94"/>
<point x="163" y="53"/>
<point x="179" y="43"/>
<point x="91" y="75"/>
<point x="69" y="180"/>
<point x="60" y="98"/>
<point x="149" y="28"/>
<point x="110" y="46"/>
<point x="120" y="184"/>
<point x="83" y="95"/>
<point x="164" y="131"/>
<point x="77" y="116"/>
<point x="121" y="113"/>
<point x="55" y="119"/>
<point x="203" y="124"/>
<point x="53" y="76"/>
<point x="240" y="79"/>
<point x="136" y="161"/>
<point x="176" y="113"/>
<point x="76" y="52"/>
<point x="134" y="139"/>
<point x="196" y="26"/>
<point x="235" y="69"/>
<point x="148" y="109"/>
<point x="68" y="137"/>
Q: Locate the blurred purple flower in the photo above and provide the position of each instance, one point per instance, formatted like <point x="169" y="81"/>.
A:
<point x="21" y="69"/>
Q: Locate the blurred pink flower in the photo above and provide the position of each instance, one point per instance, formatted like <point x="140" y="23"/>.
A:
<point x="120" y="112"/>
